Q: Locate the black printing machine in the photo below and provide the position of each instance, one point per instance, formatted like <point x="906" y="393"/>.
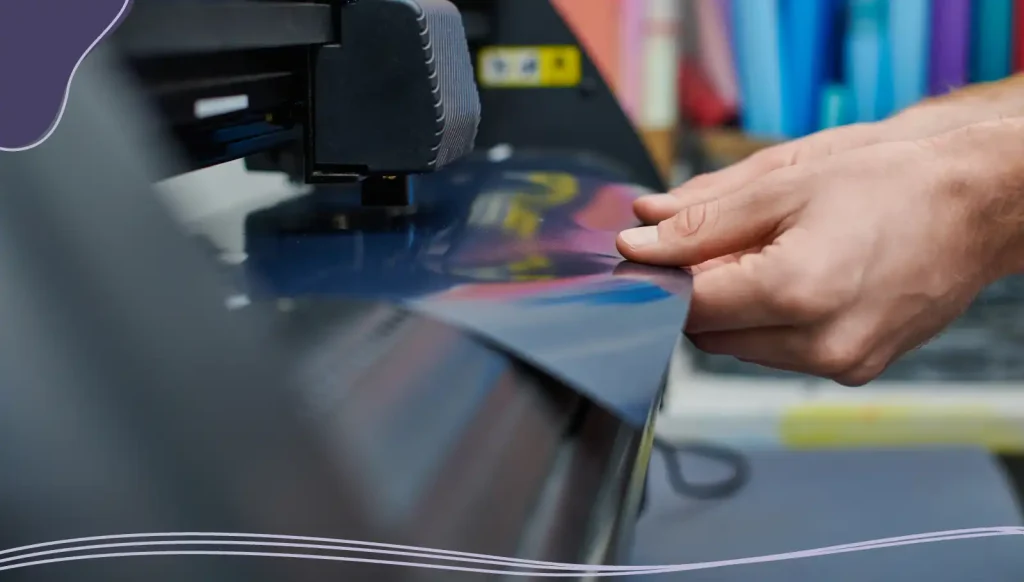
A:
<point x="134" y="402"/>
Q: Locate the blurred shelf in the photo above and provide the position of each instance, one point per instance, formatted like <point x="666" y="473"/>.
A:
<point x="773" y="414"/>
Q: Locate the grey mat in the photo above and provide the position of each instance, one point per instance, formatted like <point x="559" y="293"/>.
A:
<point x="797" y="501"/>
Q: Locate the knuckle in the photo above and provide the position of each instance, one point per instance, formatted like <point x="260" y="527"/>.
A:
<point x="773" y="157"/>
<point x="693" y="219"/>
<point x="864" y="371"/>
<point x="839" y="357"/>
<point x="861" y="374"/>
<point x="794" y="152"/>
<point x="854" y="379"/>
<point x="780" y="188"/>
<point x="806" y="288"/>
<point x="825" y="143"/>
<point x="803" y="151"/>
<point x="802" y="299"/>
<point x="701" y="181"/>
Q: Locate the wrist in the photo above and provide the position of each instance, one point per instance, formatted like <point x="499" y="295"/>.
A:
<point x="930" y="118"/>
<point x="982" y="167"/>
<point x="974" y="103"/>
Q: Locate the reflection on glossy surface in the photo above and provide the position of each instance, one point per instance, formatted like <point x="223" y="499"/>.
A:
<point x="521" y="252"/>
<point x="463" y="448"/>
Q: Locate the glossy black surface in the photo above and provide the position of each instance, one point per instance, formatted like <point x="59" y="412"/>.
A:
<point x="520" y="252"/>
<point x="463" y="448"/>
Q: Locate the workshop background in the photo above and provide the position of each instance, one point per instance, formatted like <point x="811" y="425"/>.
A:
<point x="927" y="447"/>
<point x="706" y="83"/>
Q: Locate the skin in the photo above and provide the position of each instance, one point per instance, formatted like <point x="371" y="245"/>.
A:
<point x="835" y="254"/>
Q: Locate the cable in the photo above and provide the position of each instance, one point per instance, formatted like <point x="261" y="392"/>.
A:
<point x="715" y="490"/>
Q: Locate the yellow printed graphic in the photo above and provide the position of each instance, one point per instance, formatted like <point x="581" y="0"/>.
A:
<point x="818" y="426"/>
<point x="526" y="209"/>
<point x="521" y="219"/>
<point x="561" y="188"/>
<point x="531" y="268"/>
<point x="519" y="211"/>
<point x="522" y="67"/>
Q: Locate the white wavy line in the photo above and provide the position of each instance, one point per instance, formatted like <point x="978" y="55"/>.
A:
<point x="424" y="554"/>
<point x="578" y="569"/>
<point x="590" y="573"/>
<point x="67" y="88"/>
<point x="351" y="544"/>
<point x="335" y="541"/>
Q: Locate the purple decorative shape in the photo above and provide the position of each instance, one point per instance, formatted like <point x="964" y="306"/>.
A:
<point x="42" y="43"/>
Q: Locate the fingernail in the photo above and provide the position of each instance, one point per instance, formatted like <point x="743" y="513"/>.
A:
<point x="640" y="237"/>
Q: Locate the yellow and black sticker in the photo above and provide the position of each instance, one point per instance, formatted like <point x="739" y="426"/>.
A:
<point x="523" y="67"/>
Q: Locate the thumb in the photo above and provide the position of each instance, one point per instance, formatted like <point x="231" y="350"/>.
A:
<point x="715" y="227"/>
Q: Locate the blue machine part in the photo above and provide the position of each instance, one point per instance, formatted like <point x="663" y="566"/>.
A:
<point x="520" y="253"/>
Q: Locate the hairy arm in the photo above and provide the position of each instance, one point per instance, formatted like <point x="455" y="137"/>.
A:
<point x="988" y="159"/>
<point x="1006" y="97"/>
<point x="977" y="103"/>
<point x="934" y="116"/>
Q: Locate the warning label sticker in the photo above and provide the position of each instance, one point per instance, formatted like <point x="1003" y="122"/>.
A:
<point x="529" y="66"/>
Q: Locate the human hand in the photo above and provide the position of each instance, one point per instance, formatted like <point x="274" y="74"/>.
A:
<point x="838" y="266"/>
<point x="922" y="121"/>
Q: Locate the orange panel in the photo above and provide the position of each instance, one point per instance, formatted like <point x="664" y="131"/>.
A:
<point x="596" y="24"/>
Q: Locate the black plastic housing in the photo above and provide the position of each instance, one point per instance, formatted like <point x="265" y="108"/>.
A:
<point x="397" y="95"/>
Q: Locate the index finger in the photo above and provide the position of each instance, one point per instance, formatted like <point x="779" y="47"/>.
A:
<point x="713" y="228"/>
<point x="654" y="208"/>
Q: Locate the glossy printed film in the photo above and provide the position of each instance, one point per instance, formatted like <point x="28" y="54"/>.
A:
<point x="520" y="252"/>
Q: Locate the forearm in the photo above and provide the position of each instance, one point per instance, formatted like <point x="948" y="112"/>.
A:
<point x="975" y="103"/>
<point x="985" y="161"/>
